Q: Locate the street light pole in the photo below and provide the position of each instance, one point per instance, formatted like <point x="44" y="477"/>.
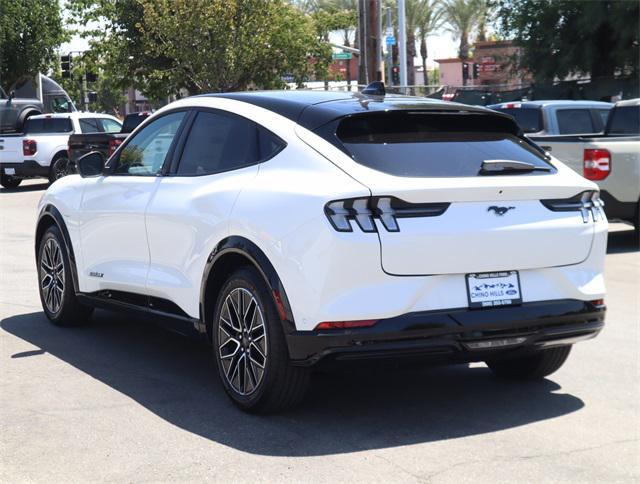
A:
<point x="402" y="42"/>
<point x="389" y="48"/>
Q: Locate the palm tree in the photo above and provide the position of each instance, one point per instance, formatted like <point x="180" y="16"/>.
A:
<point x="430" y="19"/>
<point x="462" y="17"/>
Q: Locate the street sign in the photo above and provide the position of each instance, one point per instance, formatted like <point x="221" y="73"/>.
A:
<point x="341" y="55"/>
<point x="391" y="40"/>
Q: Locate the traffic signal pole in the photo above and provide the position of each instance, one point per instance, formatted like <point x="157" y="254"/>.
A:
<point x="402" y="42"/>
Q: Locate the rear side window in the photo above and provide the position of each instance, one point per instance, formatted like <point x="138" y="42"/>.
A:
<point x="89" y="125"/>
<point x="529" y="119"/>
<point x="48" y="125"/>
<point x="220" y="142"/>
<point x="110" y="126"/>
<point x="432" y="145"/>
<point x="575" y="121"/>
<point x="625" y="120"/>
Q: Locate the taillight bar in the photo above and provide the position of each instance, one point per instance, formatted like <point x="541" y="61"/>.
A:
<point x="597" y="164"/>
<point x="365" y="210"/>
<point x="587" y="202"/>
<point x="29" y="147"/>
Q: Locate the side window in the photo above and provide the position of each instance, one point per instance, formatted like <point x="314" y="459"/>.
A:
<point x="269" y="143"/>
<point x="89" y="125"/>
<point x="144" y="155"/>
<point x="110" y="126"/>
<point x="575" y="121"/>
<point x="219" y="142"/>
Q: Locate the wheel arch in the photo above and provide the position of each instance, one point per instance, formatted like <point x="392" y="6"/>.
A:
<point x="51" y="216"/>
<point x="230" y="254"/>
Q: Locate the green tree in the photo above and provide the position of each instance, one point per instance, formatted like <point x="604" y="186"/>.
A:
<point x="562" y="37"/>
<point x="462" y="18"/>
<point x="30" y="32"/>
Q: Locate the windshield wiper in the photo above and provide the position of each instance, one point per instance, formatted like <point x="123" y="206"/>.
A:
<point x="499" y="167"/>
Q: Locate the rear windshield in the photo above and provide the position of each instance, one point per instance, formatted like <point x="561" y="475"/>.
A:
<point x="48" y="125"/>
<point x="433" y="145"/>
<point x="131" y="121"/>
<point x="529" y="119"/>
<point x="625" y="120"/>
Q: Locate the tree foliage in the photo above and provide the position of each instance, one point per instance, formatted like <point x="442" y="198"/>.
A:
<point x="562" y="37"/>
<point x="164" y="47"/>
<point x="30" y="31"/>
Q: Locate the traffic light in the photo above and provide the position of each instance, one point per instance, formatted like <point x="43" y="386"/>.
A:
<point x="395" y="75"/>
<point x="465" y="71"/>
<point x="476" y="70"/>
<point x="65" y="66"/>
<point x="92" y="96"/>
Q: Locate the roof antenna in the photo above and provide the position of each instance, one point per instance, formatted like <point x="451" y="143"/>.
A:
<point x="376" y="88"/>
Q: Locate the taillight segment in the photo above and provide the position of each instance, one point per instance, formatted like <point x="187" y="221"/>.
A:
<point x="113" y="145"/>
<point x="588" y="202"/>
<point x="29" y="147"/>
<point x="597" y="164"/>
<point x="365" y="210"/>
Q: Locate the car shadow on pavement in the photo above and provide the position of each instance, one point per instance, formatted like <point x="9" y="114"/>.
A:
<point x="26" y="188"/>
<point x="622" y="241"/>
<point x="175" y="378"/>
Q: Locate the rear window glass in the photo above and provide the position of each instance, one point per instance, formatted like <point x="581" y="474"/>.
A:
<point x="625" y="120"/>
<point x="575" y="121"/>
<point x="48" y="125"/>
<point x="529" y="119"/>
<point x="131" y="121"/>
<point x="427" y="145"/>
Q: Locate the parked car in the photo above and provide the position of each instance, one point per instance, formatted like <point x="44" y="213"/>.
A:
<point x="611" y="159"/>
<point x="552" y="118"/>
<point x="293" y="229"/>
<point x="105" y="142"/>
<point x="41" y="151"/>
<point x="28" y="98"/>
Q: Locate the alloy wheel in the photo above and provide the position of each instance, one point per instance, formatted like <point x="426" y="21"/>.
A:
<point x="242" y="341"/>
<point x="52" y="275"/>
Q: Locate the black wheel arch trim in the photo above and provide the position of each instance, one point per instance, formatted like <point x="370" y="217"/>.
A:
<point x="249" y="250"/>
<point x="51" y="212"/>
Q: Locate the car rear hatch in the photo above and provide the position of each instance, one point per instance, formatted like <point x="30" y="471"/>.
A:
<point x="10" y="149"/>
<point x="463" y="193"/>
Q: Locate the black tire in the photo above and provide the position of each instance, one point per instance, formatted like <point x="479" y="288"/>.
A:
<point x="59" y="168"/>
<point x="533" y="367"/>
<point x="277" y="387"/>
<point x="9" y="182"/>
<point x="55" y="284"/>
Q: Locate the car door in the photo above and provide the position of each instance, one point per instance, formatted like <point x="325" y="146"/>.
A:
<point x="218" y="155"/>
<point x="115" y="254"/>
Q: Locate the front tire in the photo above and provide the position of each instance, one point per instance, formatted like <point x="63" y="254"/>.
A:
<point x="250" y="348"/>
<point x="531" y="367"/>
<point x="55" y="283"/>
<point x="9" y="182"/>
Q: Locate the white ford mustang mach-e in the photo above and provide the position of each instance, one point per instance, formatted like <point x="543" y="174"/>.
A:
<point x="292" y="229"/>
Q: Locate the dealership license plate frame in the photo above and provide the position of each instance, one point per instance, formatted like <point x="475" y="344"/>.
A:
<point x="494" y="300"/>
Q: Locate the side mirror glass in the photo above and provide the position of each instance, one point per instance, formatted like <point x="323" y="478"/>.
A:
<point x="91" y="164"/>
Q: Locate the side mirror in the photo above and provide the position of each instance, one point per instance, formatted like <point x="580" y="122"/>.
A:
<point x="91" y="164"/>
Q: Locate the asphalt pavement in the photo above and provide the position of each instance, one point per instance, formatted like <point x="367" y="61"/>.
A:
<point x="123" y="400"/>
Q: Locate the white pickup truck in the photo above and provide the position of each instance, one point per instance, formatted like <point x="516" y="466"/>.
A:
<point x="41" y="149"/>
<point x="611" y="159"/>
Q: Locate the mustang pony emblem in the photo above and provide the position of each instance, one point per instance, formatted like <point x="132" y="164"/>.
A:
<point x="499" y="210"/>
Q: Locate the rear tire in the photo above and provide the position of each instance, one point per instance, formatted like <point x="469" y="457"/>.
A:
<point x="532" y="367"/>
<point x="55" y="282"/>
<point x="59" y="168"/>
<point x="251" y="351"/>
<point x="9" y="182"/>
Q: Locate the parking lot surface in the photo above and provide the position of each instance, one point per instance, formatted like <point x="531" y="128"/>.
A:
<point x="124" y="400"/>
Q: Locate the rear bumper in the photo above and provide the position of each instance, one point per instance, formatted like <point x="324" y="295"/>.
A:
<point x="615" y="209"/>
<point x="458" y="335"/>
<point x="27" y="168"/>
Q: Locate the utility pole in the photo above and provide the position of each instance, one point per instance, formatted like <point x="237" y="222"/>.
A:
<point x="363" y="71"/>
<point x="402" y="42"/>
<point x="389" y="49"/>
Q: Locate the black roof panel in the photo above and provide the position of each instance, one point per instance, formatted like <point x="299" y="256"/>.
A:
<point x="313" y="109"/>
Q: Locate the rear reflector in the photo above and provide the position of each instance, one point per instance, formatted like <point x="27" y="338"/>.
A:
<point x="29" y="147"/>
<point x="363" y="323"/>
<point x="597" y="164"/>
